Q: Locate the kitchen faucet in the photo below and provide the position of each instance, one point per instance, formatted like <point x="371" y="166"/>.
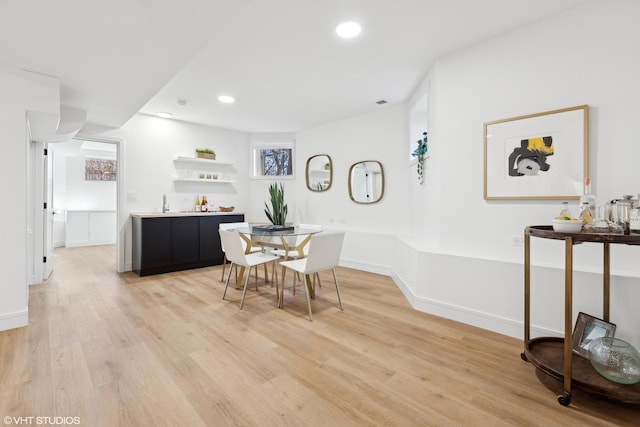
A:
<point x="165" y="205"/>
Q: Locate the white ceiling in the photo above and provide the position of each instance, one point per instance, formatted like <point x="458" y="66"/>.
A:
<point x="280" y="59"/>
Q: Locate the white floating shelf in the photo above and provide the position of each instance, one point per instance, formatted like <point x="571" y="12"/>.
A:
<point x="201" y="161"/>
<point x="205" y="181"/>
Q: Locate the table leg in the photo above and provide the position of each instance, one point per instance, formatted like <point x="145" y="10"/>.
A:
<point x="527" y="288"/>
<point x="606" y="273"/>
<point x="568" y="315"/>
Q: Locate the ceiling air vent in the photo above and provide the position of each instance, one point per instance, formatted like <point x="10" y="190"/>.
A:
<point x="381" y="102"/>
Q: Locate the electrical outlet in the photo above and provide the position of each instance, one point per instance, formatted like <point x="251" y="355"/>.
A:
<point x="517" y="240"/>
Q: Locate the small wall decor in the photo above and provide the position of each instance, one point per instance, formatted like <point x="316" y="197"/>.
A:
<point x="420" y="152"/>
<point x="537" y="156"/>
<point x="319" y="172"/>
<point x="366" y="182"/>
<point x="587" y="329"/>
<point x="100" y="170"/>
<point x="205" y="153"/>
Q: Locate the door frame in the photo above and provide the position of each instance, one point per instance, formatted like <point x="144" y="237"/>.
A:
<point x="37" y="267"/>
<point x="120" y="194"/>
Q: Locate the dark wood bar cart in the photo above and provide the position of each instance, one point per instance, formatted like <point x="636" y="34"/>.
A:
<point x="553" y="355"/>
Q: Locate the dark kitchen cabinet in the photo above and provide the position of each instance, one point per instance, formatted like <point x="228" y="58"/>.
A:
<point x="161" y="244"/>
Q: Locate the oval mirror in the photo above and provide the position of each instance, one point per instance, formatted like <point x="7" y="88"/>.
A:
<point x="319" y="172"/>
<point x="366" y="181"/>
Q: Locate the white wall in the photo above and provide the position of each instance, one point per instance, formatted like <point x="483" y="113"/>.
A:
<point x="582" y="57"/>
<point x="13" y="251"/>
<point x="86" y="195"/>
<point x="22" y="92"/>
<point x="380" y="135"/>
<point x="150" y="146"/>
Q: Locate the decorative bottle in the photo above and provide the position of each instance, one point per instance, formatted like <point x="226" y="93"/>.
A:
<point x="205" y="204"/>
<point x="198" y="206"/>
<point x="585" y="213"/>
<point x="588" y="197"/>
<point x="565" y="213"/>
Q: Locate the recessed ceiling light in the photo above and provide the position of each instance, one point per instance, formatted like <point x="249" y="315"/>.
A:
<point x="348" y="29"/>
<point x="164" y="114"/>
<point x="226" y="99"/>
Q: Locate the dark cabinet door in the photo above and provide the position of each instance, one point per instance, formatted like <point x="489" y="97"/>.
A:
<point x="184" y="240"/>
<point x="155" y="238"/>
<point x="210" y="248"/>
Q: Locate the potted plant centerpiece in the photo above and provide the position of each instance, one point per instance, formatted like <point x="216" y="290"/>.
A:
<point x="277" y="213"/>
<point x="205" y="153"/>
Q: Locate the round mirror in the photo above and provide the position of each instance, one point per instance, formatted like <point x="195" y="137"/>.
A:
<point x="319" y="172"/>
<point x="366" y="181"/>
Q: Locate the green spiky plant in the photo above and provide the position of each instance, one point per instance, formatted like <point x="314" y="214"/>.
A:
<point x="277" y="214"/>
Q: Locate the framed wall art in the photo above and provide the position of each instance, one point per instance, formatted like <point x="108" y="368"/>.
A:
<point x="537" y="156"/>
<point x="100" y="169"/>
<point x="587" y="329"/>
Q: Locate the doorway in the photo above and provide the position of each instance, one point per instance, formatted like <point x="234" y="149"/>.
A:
<point x="84" y="185"/>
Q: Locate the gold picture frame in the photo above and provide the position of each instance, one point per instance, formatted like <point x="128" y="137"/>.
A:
<point x="537" y="156"/>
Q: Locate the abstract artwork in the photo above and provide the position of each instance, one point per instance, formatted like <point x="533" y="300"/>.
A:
<point x="537" y="156"/>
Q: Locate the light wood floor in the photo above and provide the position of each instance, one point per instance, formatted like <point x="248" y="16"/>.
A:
<point x="166" y="350"/>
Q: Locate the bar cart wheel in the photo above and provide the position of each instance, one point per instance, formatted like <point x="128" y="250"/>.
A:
<point x="565" y="399"/>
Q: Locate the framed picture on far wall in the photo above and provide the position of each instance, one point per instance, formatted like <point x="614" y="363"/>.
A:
<point x="100" y="169"/>
<point x="537" y="156"/>
<point x="586" y="330"/>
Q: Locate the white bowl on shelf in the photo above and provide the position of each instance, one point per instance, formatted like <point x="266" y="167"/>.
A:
<point x="567" y="225"/>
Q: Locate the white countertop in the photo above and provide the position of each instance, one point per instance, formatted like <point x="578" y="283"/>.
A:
<point x="174" y="214"/>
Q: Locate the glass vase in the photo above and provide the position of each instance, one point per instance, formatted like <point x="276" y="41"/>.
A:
<point x="615" y="359"/>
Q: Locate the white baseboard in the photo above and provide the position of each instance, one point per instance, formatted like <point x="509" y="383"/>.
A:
<point x="501" y="325"/>
<point x="14" y="320"/>
<point x="385" y="270"/>
<point x="89" y="243"/>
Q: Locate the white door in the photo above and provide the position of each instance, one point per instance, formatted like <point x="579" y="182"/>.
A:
<point x="48" y="214"/>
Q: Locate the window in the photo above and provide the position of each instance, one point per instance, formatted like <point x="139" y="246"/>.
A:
<point x="418" y="124"/>
<point x="272" y="160"/>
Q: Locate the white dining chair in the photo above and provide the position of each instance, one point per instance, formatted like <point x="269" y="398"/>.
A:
<point x="294" y="254"/>
<point x="231" y="226"/>
<point x="324" y="254"/>
<point x="236" y="255"/>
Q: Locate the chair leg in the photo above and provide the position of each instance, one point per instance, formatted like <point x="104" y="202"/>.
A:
<point x="227" y="284"/>
<point x="335" y="279"/>
<point x="256" y="274"/>
<point x="306" y="289"/>
<point x="274" y="277"/>
<point x="281" y="300"/>
<point x="295" y="281"/>
<point x="224" y="264"/>
<point x="244" y="289"/>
